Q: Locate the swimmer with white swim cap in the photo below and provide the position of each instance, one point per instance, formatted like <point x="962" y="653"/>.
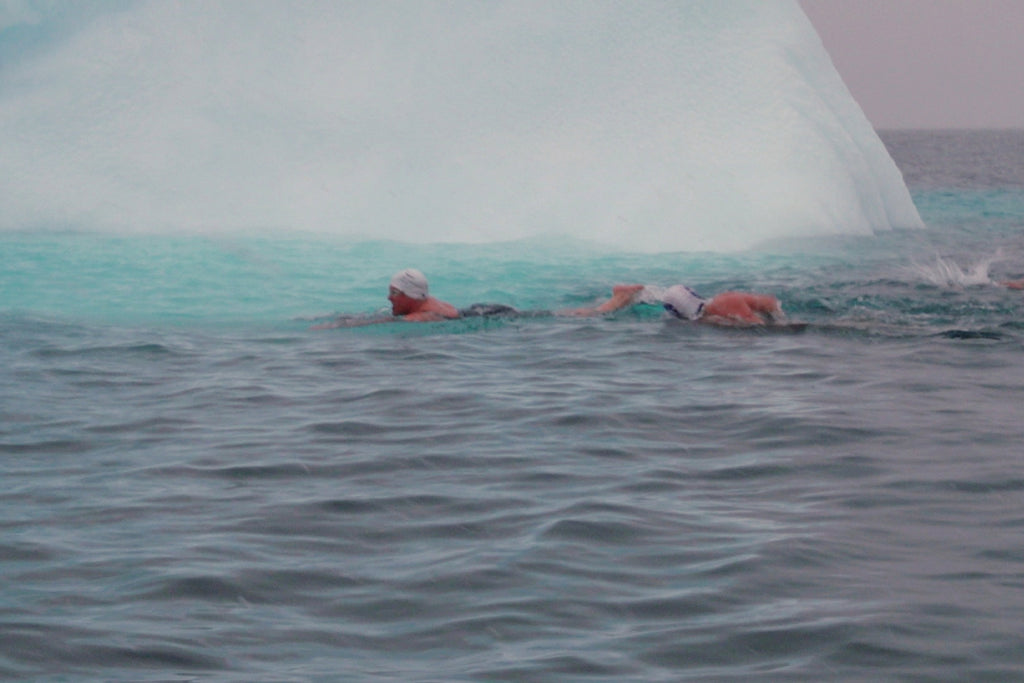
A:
<point x="683" y="302"/>
<point x="410" y="301"/>
<point x="727" y="308"/>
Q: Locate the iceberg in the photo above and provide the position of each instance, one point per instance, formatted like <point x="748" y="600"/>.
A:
<point x="708" y="125"/>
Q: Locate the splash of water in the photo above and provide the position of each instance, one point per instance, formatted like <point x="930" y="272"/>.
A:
<point x="947" y="273"/>
<point x="693" y="126"/>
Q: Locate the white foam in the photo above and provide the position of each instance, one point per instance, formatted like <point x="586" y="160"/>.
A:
<point x="947" y="273"/>
<point x="705" y="125"/>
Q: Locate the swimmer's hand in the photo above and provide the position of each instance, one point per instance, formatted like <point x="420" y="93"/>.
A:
<point x="622" y="296"/>
<point x="775" y="316"/>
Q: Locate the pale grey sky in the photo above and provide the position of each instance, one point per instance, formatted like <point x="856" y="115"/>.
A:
<point x="928" y="63"/>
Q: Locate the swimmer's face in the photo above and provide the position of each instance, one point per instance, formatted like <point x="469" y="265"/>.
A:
<point x="401" y="304"/>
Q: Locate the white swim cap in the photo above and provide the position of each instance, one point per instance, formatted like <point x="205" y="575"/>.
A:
<point x="410" y="282"/>
<point x="683" y="302"/>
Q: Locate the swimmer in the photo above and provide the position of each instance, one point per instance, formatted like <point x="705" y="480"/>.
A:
<point x="727" y="308"/>
<point x="410" y="302"/>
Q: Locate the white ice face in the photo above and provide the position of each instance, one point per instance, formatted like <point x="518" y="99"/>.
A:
<point x="700" y="125"/>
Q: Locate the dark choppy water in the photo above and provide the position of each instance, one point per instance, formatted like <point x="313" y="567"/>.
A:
<point x="197" y="487"/>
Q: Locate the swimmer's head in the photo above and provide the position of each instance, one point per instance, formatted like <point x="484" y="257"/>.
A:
<point x="410" y="282"/>
<point x="683" y="302"/>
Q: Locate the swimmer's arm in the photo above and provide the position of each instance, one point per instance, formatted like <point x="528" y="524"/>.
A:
<point x="768" y="306"/>
<point x="427" y="317"/>
<point x="622" y="296"/>
<point x="352" y="321"/>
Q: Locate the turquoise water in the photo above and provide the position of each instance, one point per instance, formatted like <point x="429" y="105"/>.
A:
<point x="285" y="282"/>
<point x="271" y="280"/>
<point x="199" y="487"/>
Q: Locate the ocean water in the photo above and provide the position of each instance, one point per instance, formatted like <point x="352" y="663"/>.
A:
<point x="197" y="486"/>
